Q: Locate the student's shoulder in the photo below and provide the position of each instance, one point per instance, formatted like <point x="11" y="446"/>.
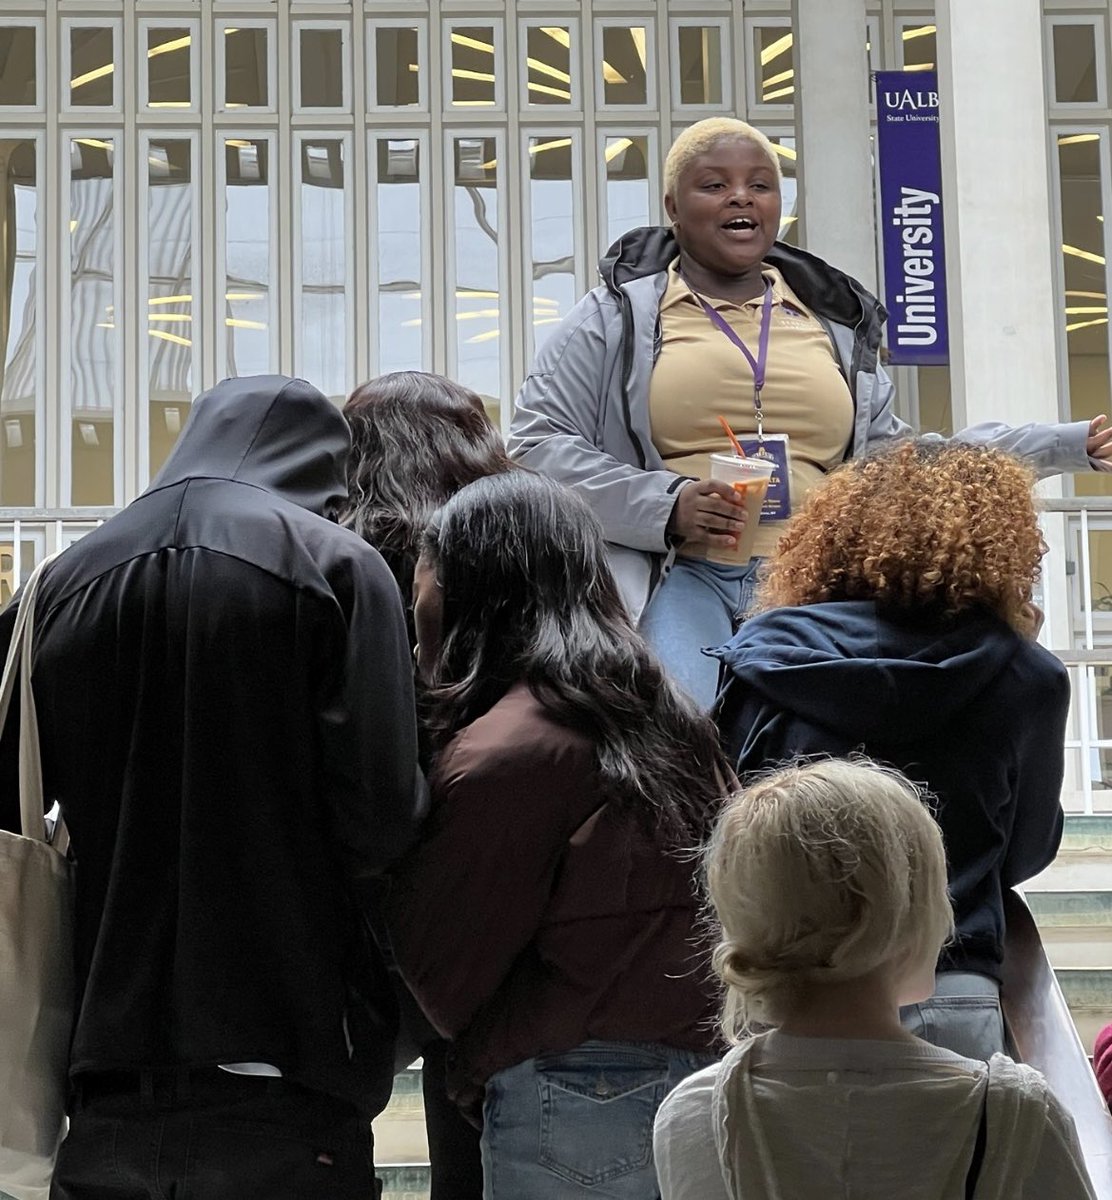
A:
<point x="688" y="1104"/>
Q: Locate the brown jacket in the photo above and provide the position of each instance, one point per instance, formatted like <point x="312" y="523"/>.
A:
<point x="530" y="920"/>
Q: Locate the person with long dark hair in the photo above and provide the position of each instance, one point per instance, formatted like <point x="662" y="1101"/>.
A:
<point x="548" y="921"/>
<point x="416" y="439"/>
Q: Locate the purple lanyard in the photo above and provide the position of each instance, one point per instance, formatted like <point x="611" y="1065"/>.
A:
<point x="760" y="363"/>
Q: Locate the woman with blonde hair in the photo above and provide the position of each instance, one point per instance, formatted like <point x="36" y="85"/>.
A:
<point x="829" y="884"/>
<point x="713" y="316"/>
<point x="898" y="620"/>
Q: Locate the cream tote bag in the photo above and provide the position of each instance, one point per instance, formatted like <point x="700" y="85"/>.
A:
<point x="36" y="951"/>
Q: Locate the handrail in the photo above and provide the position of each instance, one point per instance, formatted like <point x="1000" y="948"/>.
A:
<point x="1043" y="1034"/>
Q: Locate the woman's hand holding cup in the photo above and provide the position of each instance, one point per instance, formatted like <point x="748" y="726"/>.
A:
<point x="708" y="512"/>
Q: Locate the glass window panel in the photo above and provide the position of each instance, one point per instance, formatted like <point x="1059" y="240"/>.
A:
<point x="700" y="63"/>
<point x="552" y="210"/>
<point x="168" y="82"/>
<point x="170" y="307"/>
<point x="92" y="66"/>
<point x="322" y="68"/>
<point x="548" y="64"/>
<point x="17" y="65"/>
<point x="628" y="203"/>
<point x="322" y="354"/>
<point x="1075" y="64"/>
<point x="398" y="195"/>
<point x="247" y="257"/>
<point x="246" y="67"/>
<point x="478" y="306"/>
<point x="787" y="150"/>
<point x="1080" y="163"/>
<point x="473" y="66"/>
<point x="397" y="67"/>
<point x="94" y="375"/>
<point x="920" y="44"/>
<point x="29" y="554"/>
<point x="624" y="65"/>
<point x="19" y="215"/>
<point x="774" y="51"/>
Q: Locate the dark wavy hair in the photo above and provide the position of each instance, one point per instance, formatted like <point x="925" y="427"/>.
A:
<point x="416" y="439"/>
<point x="529" y="597"/>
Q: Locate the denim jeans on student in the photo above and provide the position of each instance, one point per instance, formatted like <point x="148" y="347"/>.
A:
<point x="698" y="606"/>
<point x="579" y="1124"/>
<point x="209" y="1135"/>
<point x="963" y="1015"/>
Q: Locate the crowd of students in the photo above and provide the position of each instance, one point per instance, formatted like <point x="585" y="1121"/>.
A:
<point x="549" y="920"/>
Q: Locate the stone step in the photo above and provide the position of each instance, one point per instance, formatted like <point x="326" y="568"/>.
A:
<point x="1083" y="832"/>
<point x="403" y="1181"/>
<point x="1088" y="992"/>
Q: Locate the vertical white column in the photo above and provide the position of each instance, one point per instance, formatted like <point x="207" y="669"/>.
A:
<point x="832" y="90"/>
<point x="996" y="193"/>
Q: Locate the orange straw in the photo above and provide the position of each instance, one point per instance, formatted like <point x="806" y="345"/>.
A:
<point x="733" y="439"/>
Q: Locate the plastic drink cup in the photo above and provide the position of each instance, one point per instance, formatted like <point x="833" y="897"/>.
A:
<point x="748" y="477"/>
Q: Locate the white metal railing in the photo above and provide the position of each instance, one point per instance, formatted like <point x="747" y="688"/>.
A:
<point x="30" y="534"/>
<point x="1078" y="604"/>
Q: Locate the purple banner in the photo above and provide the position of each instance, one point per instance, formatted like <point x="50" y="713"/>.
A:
<point x="911" y="217"/>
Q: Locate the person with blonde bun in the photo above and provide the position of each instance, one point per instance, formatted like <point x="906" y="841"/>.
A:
<point x="828" y="882"/>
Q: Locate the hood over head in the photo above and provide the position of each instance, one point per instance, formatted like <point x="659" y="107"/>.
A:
<point x="850" y="666"/>
<point x="826" y="291"/>
<point x="268" y="431"/>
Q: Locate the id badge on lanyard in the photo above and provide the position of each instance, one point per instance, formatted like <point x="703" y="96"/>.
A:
<point x="773" y="446"/>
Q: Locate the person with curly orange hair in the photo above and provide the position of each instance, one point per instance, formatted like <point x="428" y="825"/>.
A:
<point x="896" y="618"/>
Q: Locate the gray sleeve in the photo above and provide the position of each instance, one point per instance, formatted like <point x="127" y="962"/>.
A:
<point x="557" y="430"/>
<point x="1050" y="449"/>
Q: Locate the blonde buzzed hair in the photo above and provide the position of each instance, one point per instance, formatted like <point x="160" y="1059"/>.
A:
<point x="820" y="873"/>
<point x="698" y="138"/>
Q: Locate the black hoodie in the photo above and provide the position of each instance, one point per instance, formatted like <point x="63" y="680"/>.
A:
<point x="966" y="707"/>
<point x="225" y="699"/>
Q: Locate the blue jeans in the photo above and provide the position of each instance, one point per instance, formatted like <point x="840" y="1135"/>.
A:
<point x="579" y="1123"/>
<point x="963" y="1015"/>
<point x="697" y="607"/>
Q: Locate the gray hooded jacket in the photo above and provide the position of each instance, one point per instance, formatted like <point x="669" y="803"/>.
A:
<point x="582" y="414"/>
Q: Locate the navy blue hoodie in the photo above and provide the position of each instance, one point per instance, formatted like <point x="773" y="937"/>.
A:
<point x="967" y="707"/>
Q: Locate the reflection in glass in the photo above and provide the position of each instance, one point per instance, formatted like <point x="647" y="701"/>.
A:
<point x="94" y="374"/>
<point x="169" y="292"/>
<point x="473" y="66"/>
<point x="552" y="209"/>
<point x="322" y="355"/>
<point x="624" y="58"/>
<point x="17" y="65"/>
<point x="168" y="83"/>
<point x="775" y="59"/>
<point x="398" y="196"/>
<point x="478" y="312"/>
<point x="28" y="555"/>
<point x="322" y="68"/>
<point x="788" y="153"/>
<point x="1075" y="63"/>
<point x="936" y="409"/>
<point x="1081" y="166"/>
<point x="700" y="64"/>
<point x="920" y="43"/>
<point x="18" y="342"/>
<point x="245" y="68"/>
<point x="548" y="64"/>
<point x="627" y="185"/>
<point x="92" y="66"/>
<point x="247" y="257"/>
<point x="397" y="67"/>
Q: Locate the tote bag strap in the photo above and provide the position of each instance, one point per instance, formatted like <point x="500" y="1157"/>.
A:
<point x="30" y="760"/>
